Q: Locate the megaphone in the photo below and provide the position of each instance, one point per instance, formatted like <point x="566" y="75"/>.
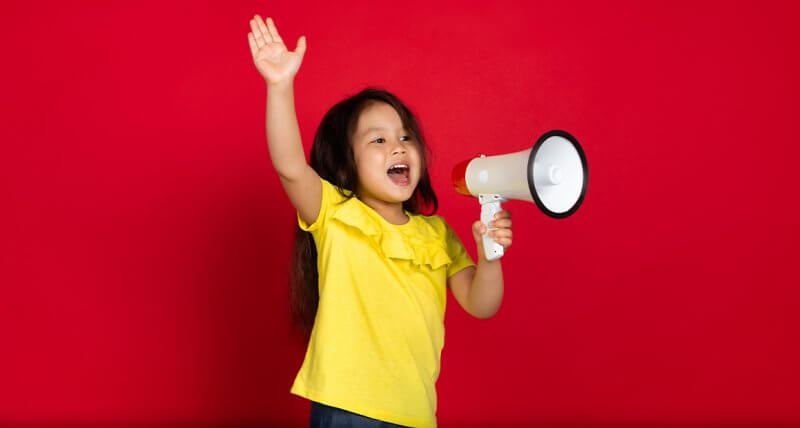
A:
<point x="553" y="174"/>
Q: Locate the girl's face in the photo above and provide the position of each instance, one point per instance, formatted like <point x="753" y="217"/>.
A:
<point x="379" y="143"/>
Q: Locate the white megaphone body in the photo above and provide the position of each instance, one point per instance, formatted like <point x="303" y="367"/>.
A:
<point x="553" y="174"/>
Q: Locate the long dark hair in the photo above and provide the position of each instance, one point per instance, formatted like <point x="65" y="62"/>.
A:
<point x="332" y="158"/>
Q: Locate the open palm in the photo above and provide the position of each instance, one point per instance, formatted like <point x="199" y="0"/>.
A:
<point x="275" y="63"/>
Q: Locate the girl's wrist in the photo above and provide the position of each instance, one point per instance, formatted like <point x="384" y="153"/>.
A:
<point x="278" y="86"/>
<point x="482" y="260"/>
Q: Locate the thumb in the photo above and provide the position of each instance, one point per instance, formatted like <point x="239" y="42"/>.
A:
<point x="301" y="45"/>
<point x="478" y="229"/>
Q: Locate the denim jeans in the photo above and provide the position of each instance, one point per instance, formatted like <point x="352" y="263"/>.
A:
<point x="323" y="416"/>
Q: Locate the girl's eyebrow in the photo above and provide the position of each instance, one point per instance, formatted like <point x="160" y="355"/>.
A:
<point x="376" y="128"/>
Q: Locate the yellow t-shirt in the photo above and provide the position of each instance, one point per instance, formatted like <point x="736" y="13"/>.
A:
<point x="376" y="343"/>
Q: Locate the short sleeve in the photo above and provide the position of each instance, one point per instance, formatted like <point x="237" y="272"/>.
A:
<point x="457" y="252"/>
<point x="330" y="197"/>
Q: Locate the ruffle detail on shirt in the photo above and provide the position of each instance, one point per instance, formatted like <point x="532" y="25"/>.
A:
<point x="428" y="248"/>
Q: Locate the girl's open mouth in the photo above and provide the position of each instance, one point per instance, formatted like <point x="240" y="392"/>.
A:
<point x="399" y="174"/>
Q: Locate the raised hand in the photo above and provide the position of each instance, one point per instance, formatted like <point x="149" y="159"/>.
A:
<point x="275" y="63"/>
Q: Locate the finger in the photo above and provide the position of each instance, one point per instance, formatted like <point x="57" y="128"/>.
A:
<point x="252" y="41"/>
<point x="505" y="242"/>
<point x="503" y="222"/>
<point x="500" y="233"/>
<point x="257" y="33"/>
<point x="499" y="238"/>
<point x="264" y="30"/>
<point x="301" y="46"/>
<point x="503" y="214"/>
<point x="273" y="31"/>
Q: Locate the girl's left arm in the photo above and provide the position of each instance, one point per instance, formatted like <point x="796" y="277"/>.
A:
<point x="480" y="291"/>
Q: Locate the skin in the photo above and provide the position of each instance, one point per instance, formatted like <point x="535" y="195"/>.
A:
<point x="478" y="290"/>
<point x="374" y="151"/>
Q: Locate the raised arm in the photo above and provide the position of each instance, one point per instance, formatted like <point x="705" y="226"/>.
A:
<point x="278" y="67"/>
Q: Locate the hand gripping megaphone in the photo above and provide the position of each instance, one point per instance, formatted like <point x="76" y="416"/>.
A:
<point x="553" y="174"/>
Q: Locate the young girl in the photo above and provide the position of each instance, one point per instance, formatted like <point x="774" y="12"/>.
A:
<point x="371" y="271"/>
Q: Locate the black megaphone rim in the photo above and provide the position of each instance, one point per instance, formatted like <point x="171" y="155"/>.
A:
<point x="532" y="186"/>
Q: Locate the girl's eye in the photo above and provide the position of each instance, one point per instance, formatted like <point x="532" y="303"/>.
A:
<point x="407" y="138"/>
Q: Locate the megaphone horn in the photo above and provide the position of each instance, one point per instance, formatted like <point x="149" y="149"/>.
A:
<point x="553" y="174"/>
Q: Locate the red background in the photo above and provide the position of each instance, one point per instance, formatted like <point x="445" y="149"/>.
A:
<point x="145" y="235"/>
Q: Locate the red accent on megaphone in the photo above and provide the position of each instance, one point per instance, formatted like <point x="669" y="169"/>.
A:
<point x="459" y="177"/>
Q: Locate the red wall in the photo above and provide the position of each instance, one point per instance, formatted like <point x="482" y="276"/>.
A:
<point x="145" y="235"/>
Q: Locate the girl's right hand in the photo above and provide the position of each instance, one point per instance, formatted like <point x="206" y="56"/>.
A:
<point x="275" y="63"/>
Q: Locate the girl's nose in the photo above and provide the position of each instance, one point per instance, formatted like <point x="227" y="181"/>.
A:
<point x="399" y="149"/>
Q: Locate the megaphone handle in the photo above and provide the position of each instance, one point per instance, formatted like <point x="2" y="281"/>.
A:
<point x="490" y="205"/>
